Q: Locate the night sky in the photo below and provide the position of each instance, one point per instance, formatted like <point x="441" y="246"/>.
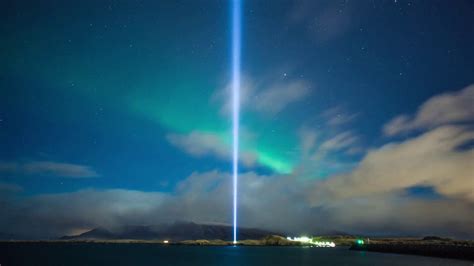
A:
<point x="356" y="115"/>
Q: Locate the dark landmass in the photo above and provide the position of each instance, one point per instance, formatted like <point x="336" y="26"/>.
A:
<point x="434" y="247"/>
<point x="175" y="232"/>
<point x="188" y="233"/>
<point x="339" y="240"/>
<point x="428" y="246"/>
<point x="271" y="240"/>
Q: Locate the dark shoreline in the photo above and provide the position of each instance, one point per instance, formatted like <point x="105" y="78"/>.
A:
<point x="60" y="253"/>
<point x="462" y="250"/>
<point x="429" y="250"/>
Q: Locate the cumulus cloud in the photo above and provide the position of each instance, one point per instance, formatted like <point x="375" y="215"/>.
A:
<point x="200" y="144"/>
<point x="48" y="168"/>
<point x="272" y="202"/>
<point x="430" y="159"/>
<point x="276" y="202"/>
<point x="396" y="214"/>
<point x="447" y="108"/>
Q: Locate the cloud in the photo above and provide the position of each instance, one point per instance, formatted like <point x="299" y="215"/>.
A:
<point x="341" y="141"/>
<point x="308" y="139"/>
<point x="200" y="144"/>
<point x="396" y="214"/>
<point x="268" y="96"/>
<point x="431" y="159"/>
<point x="275" y="98"/>
<point x="276" y="202"/>
<point x="321" y="153"/>
<point x="337" y="116"/>
<point x="369" y="197"/>
<point x="447" y="108"/>
<point x="321" y="146"/>
<point x="201" y="197"/>
<point x="58" y="214"/>
<point x="48" y="168"/>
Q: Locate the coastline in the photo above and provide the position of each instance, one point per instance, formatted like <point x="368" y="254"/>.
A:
<point x="452" y="249"/>
<point x="462" y="250"/>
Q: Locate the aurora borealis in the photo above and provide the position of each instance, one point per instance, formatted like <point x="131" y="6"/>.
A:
<point x="128" y="101"/>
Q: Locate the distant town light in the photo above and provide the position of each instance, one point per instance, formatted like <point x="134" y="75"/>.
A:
<point x="165" y="241"/>
<point x="307" y="240"/>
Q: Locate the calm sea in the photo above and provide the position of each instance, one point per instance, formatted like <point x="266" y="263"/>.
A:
<point x="148" y="254"/>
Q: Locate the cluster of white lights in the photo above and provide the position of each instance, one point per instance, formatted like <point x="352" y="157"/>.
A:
<point x="303" y="239"/>
<point x="307" y="240"/>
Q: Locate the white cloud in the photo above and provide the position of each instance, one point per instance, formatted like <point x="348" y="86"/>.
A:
<point x="308" y="139"/>
<point x="200" y="144"/>
<point x="396" y="214"/>
<point x="342" y="140"/>
<point x="268" y="96"/>
<point x="431" y="159"/>
<point x="320" y="146"/>
<point x="320" y="152"/>
<point x="337" y="116"/>
<point x="276" y="97"/>
<point x="447" y="108"/>
<point x="275" y="202"/>
<point x="48" y="168"/>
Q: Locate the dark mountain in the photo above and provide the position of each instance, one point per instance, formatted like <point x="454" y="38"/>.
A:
<point x="97" y="233"/>
<point x="177" y="231"/>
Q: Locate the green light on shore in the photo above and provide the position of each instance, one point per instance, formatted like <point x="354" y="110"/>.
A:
<point x="360" y="242"/>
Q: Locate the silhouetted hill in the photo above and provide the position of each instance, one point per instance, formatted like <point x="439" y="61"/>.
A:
<point x="177" y="231"/>
<point x="97" y="233"/>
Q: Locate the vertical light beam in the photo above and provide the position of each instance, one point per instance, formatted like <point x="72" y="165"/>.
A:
<point x="236" y="40"/>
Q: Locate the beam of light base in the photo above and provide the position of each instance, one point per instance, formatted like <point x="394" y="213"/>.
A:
<point x="236" y="40"/>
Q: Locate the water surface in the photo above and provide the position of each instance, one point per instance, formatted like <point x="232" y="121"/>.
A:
<point x="148" y="254"/>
